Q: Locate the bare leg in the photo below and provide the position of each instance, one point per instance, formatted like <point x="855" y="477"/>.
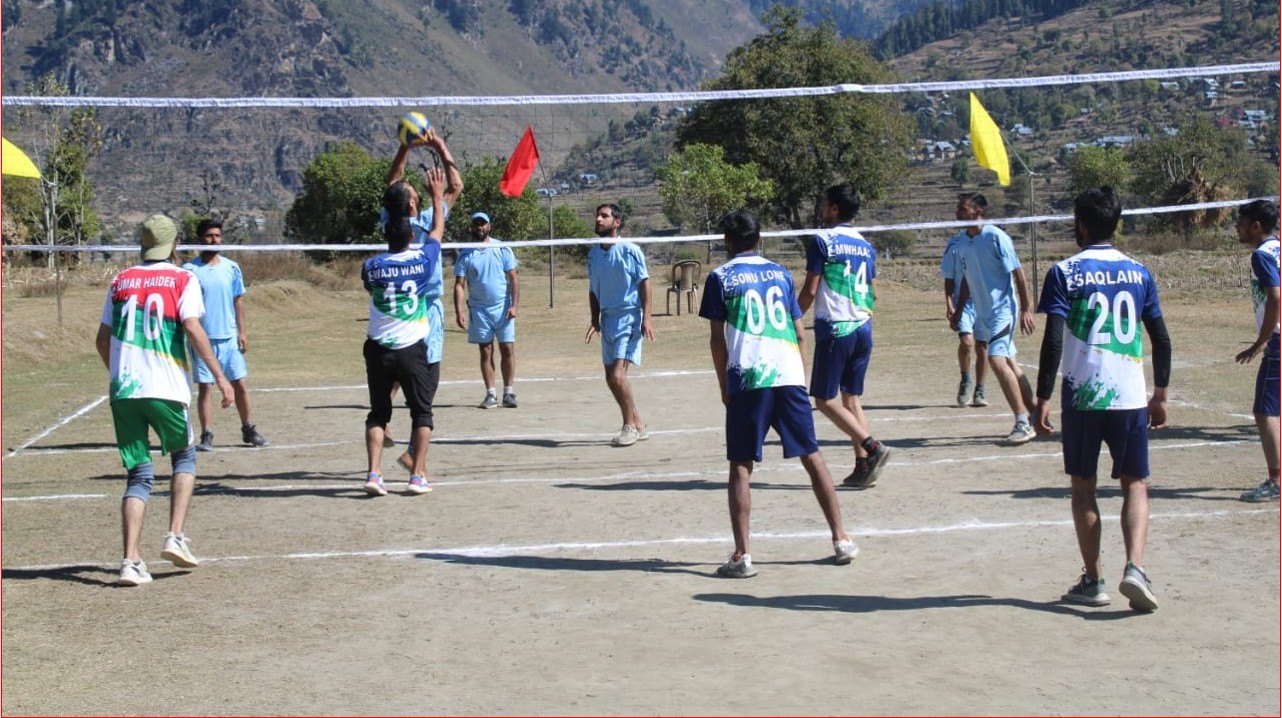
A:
<point x="981" y="363"/>
<point x="205" y="407"/>
<point x="241" y="392"/>
<point x="1268" y="426"/>
<point x="616" y="377"/>
<point x="740" y="505"/>
<point x="840" y="415"/>
<point x="965" y="348"/>
<point x="422" y="437"/>
<point x="374" y="448"/>
<point x="181" y="487"/>
<point x="1134" y="518"/>
<point x="1006" y="371"/>
<point x="1086" y="522"/>
<point x="132" y="511"/>
<point x="821" y="484"/>
<point x="507" y="363"/>
<point x="856" y="408"/>
<point x="487" y="365"/>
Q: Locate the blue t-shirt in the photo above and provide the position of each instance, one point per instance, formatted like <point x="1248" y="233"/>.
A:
<point x="398" y="301"/>
<point x="988" y="259"/>
<point x="950" y="265"/>
<point x="615" y="275"/>
<point x="1264" y="274"/>
<point x="847" y="264"/>
<point x="220" y="283"/>
<point x="422" y="227"/>
<point x="486" y="271"/>
<point x="1103" y="296"/>
<point x="758" y="303"/>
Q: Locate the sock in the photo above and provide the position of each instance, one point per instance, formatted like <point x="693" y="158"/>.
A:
<point x="507" y="389"/>
<point x="489" y="391"/>
<point x="966" y="377"/>
<point x="1022" y="418"/>
<point x="870" y="444"/>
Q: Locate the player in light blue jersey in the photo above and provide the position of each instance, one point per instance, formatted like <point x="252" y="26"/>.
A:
<point x="486" y="295"/>
<point x="399" y="321"/>
<point x="223" y="286"/>
<point x="993" y="277"/>
<point x="841" y="283"/>
<point x="1257" y="225"/>
<point x="619" y="302"/>
<point x="756" y="344"/>
<point x="421" y="225"/>
<point x="1095" y="304"/>
<point x="970" y="390"/>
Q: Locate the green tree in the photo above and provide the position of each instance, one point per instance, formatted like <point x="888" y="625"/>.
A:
<point x="510" y="217"/>
<point x="805" y="144"/>
<point x="1200" y="163"/>
<point x="960" y="171"/>
<point x="341" y="198"/>
<point x="1093" y="166"/>
<point x="698" y="186"/>
<point x="63" y="147"/>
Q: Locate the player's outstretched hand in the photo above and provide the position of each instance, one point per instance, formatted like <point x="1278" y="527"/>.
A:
<point x="592" y="329"/>
<point x="1156" y="413"/>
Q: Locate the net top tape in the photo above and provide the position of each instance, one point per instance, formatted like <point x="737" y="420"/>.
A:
<point x="637" y="97"/>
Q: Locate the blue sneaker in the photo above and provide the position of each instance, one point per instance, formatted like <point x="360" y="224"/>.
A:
<point x="374" y="485"/>
<point x="1087" y="592"/>
<point x="1136" y="587"/>
<point x="418" y="485"/>
<point x="1267" y="491"/>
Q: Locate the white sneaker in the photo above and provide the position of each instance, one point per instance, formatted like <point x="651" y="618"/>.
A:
<point x="846" y="551"/>
<point x="737" y="569"/>
<point x="177" y="550"/>
<point x="489" y="402"/>
<point x="1021" y="434"/>
<point x="627" y="436"/>
<point x="133" y="573"/>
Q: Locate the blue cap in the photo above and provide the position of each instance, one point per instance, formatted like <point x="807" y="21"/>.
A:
<point x="481" y="215"/>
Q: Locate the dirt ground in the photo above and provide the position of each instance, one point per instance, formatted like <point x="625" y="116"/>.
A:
<point x="552" y="574"/>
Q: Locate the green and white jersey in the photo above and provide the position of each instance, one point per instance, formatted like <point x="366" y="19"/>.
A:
<point x="848" y="265"/>
<point x="1264" y="274"/>
<point x="758" y="303"/>
<point x="1104" y="296"/>
<point x="145" y="308"/>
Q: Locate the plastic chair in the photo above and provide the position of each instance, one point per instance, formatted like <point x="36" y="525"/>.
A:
<point x="685" y="281"/>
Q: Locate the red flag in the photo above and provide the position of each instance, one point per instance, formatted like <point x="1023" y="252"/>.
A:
<point x="521" y="165"/>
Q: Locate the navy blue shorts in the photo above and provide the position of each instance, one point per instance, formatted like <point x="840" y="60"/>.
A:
<point x="841" y="364"/>
<point x="1125" y="432"/>
<point x="785" y="408"/>
<point x="1266" y="381"/>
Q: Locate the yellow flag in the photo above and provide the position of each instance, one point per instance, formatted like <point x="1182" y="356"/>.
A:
<point x="986" y="140"/>
<point x="16" y="163"/>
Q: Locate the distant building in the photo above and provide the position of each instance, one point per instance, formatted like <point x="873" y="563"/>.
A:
<point x="1115" y="141"/>
<point x="1171" y="86"/>
<point x="1022" y="130"/>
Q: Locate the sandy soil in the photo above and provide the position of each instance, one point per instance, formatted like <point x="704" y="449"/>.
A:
<point x="551" y="573"/>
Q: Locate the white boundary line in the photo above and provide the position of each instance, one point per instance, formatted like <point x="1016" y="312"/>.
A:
<point x="67" y="420"/>
<point x="499" y="550"/>
<point x="782" y="467"/>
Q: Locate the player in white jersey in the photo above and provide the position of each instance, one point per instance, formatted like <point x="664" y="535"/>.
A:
<point x="151" y="315"/>
<point x="1095" y="303"/>
<point x="841" y="283"/>
<point x="1256" y="227"/>
<point x="756" y="344"/>
<point x="399" y="320"/>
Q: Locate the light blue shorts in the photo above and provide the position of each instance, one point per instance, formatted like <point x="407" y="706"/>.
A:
<point x="436" y="332"/>
<point x="486" y="324"/>
<point x="621" y="337"/>
<point x="230" y="359"/>
<point x="966" y="325"/>
<point x="1000" y="341"/>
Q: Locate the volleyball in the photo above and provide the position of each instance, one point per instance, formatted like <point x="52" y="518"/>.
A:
<point x="413" y="129"/>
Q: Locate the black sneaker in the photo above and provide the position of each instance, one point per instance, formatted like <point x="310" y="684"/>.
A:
<point x="249" y="434"/>
<point x="876" y="462"/>
<point x="206" y="441"/>
<point x="858" y="479"/>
